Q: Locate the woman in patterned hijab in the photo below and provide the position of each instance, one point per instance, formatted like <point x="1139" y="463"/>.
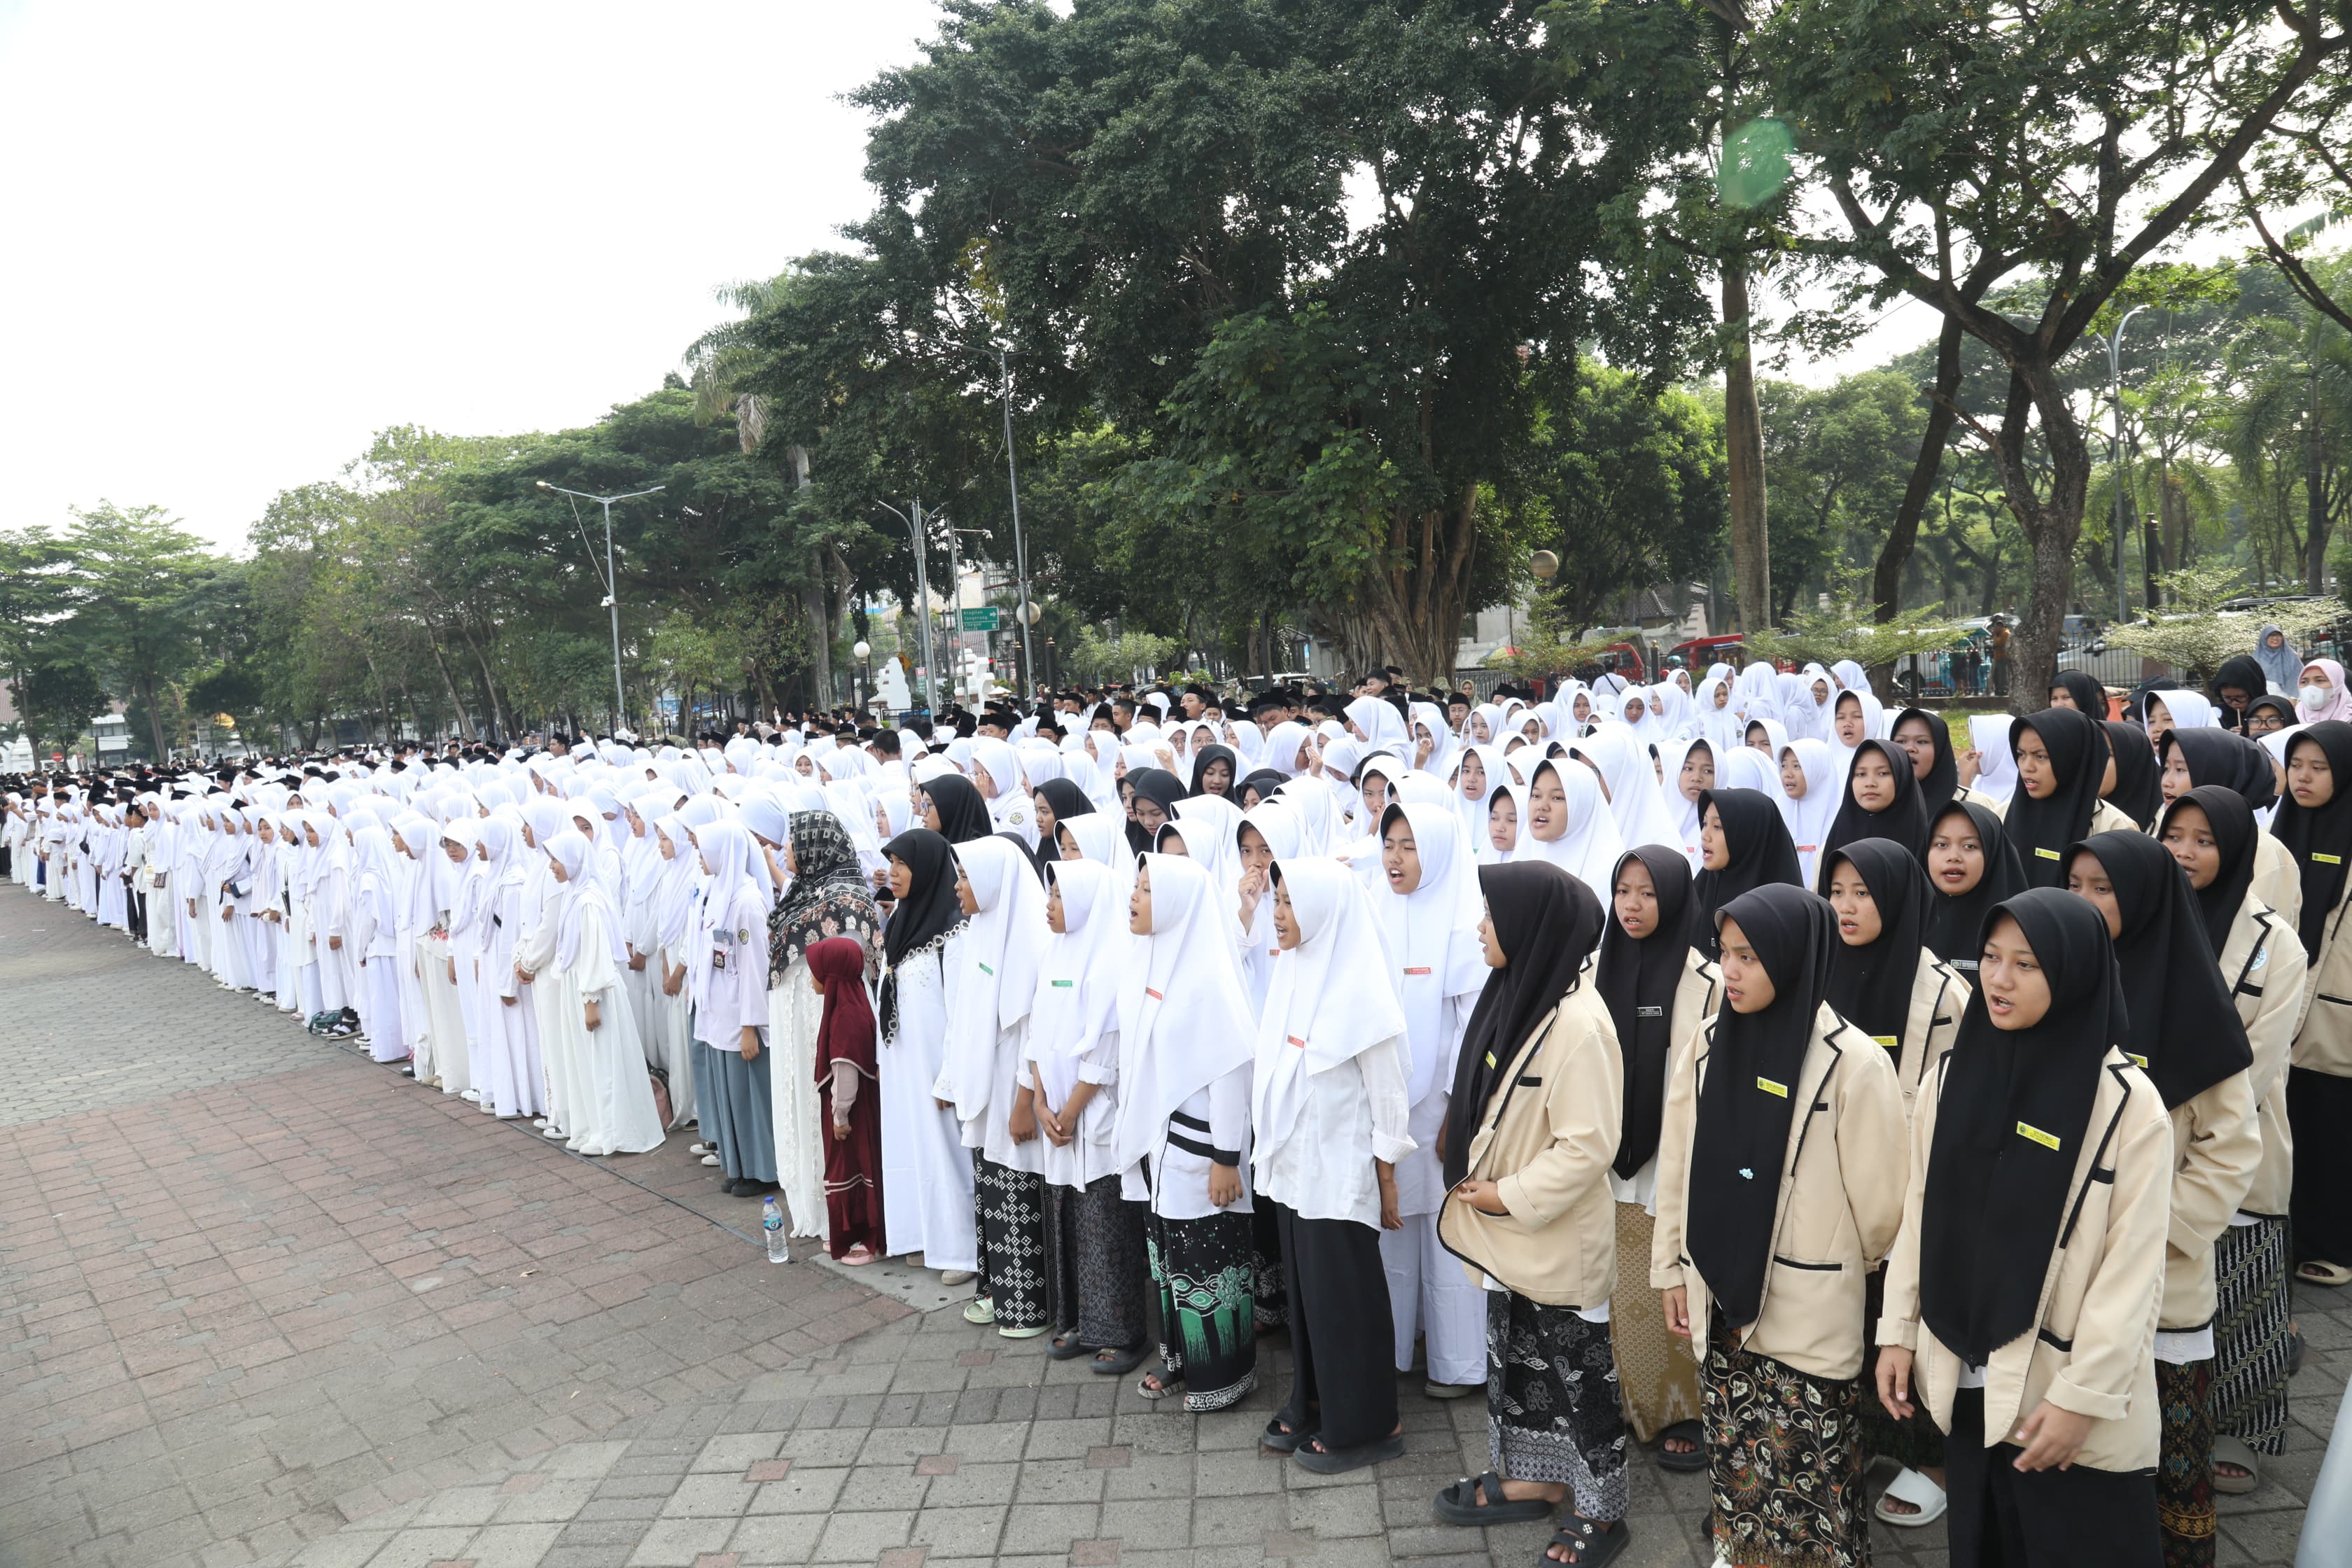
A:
<point x="828" y="897"/>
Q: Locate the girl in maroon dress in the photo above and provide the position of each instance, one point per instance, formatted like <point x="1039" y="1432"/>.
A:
<point x="852" y="1106"/>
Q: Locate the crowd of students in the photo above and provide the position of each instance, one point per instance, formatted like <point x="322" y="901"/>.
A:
<point x="1728" y="1066"/>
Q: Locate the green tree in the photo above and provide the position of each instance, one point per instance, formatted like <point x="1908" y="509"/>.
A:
<point x="1142" y="195"/>
<point x="137" y="572"/>
<point x="2047" y="150"/>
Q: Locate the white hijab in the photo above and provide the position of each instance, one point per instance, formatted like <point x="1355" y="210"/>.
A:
<point x="1333" y="996"/>
<point x="1433" y="934"/>
<point x="1183" y="1022"/>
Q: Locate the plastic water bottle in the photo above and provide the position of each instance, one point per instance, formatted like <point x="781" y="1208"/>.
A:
<point x="772" y="1223"/>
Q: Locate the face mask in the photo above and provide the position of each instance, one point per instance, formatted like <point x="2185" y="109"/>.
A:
<point x="2316" y="696"/>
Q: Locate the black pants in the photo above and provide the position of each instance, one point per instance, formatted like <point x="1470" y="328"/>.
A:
<point x="1342" y="1342"/>
<point x="134" y="904"/>
<point x="2004" y="1517"/>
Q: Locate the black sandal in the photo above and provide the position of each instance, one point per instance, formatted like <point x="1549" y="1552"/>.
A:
<point x="1460" y="1503"/>
<point x="1593" y="1546"/>
<point x="1066" y="1347"/>
<point x="1119" y="1364"/>
<point x="1282" y="1441"/>
<point x="1689" y="1432"/>
<point x="1313" y="1456"/>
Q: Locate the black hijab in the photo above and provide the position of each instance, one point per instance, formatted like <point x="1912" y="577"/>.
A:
<point x="1943" y="774"/>
<point x="1547" y="922"/>
<point x="1739" y="1150"/>
<point x="2224" y="758"/>
<point x="1955" y="928"/>
<point x="2089" y="696"/>
<point x="2015" y="1108"/>
<point x="1904" y="820"/>
<point x="1159" y="786"/>
<point x="2140" y="777"/>
<point x="2245" y="672"/>
<point x="2185" y="1033"/>
<point x="2236" y="836"/>
<point x="926" y="913"/>
<point x="1265" y="781"/>
<point x="963" y="815"/>
<point x="1869" y="983"/>
<point x="2286" y="706"/>
<point x="1638" y="979"/>
<point x="2043" y="828"/>
<point x="1207" y="755"/>
<point x="1069" y="801"/>
<point x="1761" y="852"/>
<point x="2320" y="838"/>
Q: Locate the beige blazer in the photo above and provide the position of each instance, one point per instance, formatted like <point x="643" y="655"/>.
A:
<point x="2264" y="967"/>
<point x="1938" y="996"/>
<point x="1840" y="1198"/>
<point x="1547" y="1142"/>
<point x="2322" y="1035"/>
<point x="2092" y="1350"/>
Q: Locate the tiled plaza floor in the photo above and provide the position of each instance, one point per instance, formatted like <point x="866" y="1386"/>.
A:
<point x="263" y="1301"/>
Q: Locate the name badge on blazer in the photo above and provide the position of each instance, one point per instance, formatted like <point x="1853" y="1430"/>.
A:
<point x="2027" y="1131"/>
<point x="1413" y="971"/>
<point x="2319" y="859"/>
<point x="2046" y="854"/>
<point x="1892" y="1042"/>
<point x="1769" y="1086"/>
<point x="1649" y="1012"/>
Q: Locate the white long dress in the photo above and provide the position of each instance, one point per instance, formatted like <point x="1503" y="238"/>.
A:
<point x="926" y="1175"/>
<point x="613" y="1105"/>
<point x="671" y="1044"/>
<point x="795" y="1011"/>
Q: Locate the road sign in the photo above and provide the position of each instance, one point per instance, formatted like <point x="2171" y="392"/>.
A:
<point x="980" y="620"/>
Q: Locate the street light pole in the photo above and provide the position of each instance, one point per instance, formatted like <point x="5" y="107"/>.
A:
<point x="1020" y="552"/>
<point x="612" y="586"/>
<point x="922" y="596"/>
<point x="2116" y="380"/>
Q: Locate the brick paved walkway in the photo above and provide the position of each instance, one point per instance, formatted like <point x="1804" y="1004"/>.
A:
<point x="262" y="1301"/>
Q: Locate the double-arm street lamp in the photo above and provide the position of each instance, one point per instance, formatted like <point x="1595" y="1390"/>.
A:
<point x="611" y="588"/>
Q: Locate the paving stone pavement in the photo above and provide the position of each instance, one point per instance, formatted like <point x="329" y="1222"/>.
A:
<point x="263" y="1301"/>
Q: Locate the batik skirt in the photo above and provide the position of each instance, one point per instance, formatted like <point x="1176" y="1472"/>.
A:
<point x="2250" y="1334"/>
<point x="1784" y="1449"/>
<point x="2184" y="1466"/>
<point x="1552" y="1408"/>
<point x="1011" y="1207"/>
<point x="1096" y="1270"/>
<point x="1208" y="1323"/>
<point x="1657" y="1376"/>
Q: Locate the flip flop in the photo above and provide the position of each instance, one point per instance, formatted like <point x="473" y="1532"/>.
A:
<point x="2232" y="1450"/>
<point x="1593" y="1547"/>
<point x="1311" y="1454"/>
<point x="1689" y="1432"/>
<point x="1921" y="1493"/>
<point x="1460" y="1504"/>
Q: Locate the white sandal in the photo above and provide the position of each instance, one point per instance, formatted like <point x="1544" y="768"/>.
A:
<point x="1921" y="1493"/>
<point x="2229" y="1449"/>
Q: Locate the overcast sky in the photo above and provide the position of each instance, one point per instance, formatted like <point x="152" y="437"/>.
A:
<point x="242" y="238"/>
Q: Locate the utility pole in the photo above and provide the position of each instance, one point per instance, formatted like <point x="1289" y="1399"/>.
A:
<point x="611" y="588"/>
<point x="922" y="595"/>
<point x="1020" y="552"/>
<point x="2116" y="380"/>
